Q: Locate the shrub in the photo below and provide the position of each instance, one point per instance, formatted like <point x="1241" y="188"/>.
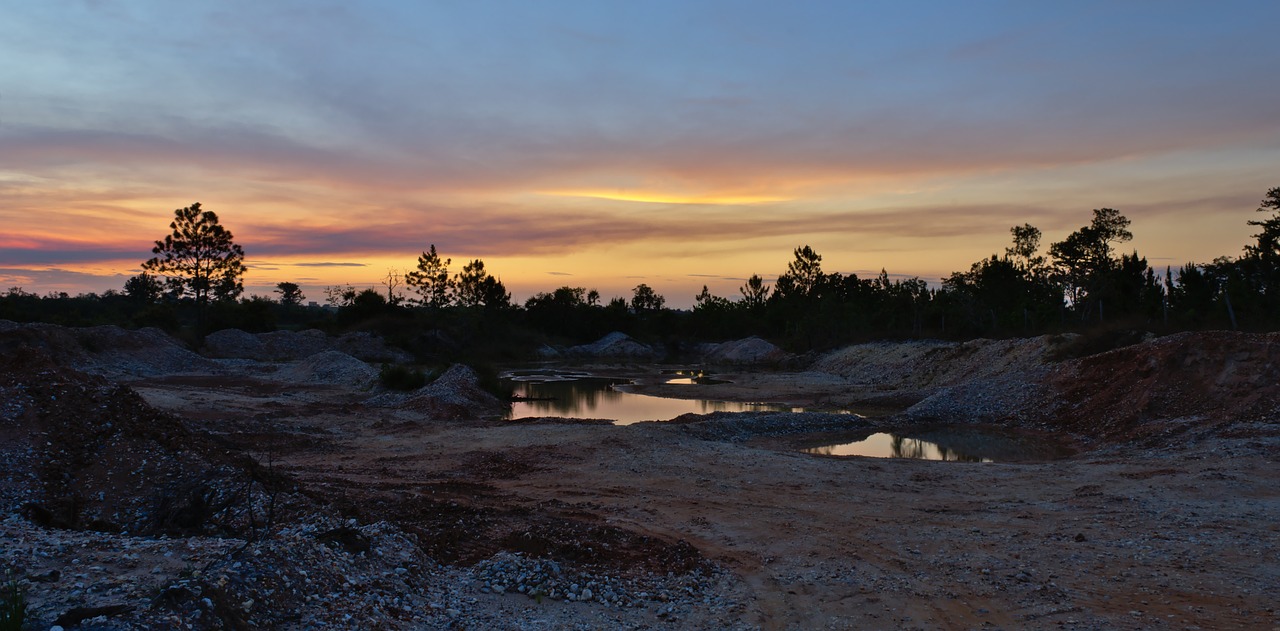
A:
<point x="490" y="380"/>
<point x="13" y="606"/>
<point x="1095" y="341"/>
<point x="397" y="377"/>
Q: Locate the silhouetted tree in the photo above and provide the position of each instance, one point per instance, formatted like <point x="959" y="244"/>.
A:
<point x="572" y="312"/>
<point x="1013" y="293"/>
<point x="1026" y="242"/>
<point x="644" y="299"/>
<point x="1084" y="260"/>
<point x="339" y="295"/>
<point x="431" y="280"/>
<point x="1259" y="268"/>
<point x="290" y="294"/>
<point x="199" y="259"/>
<point x="1268" y="245"/>
<point x="391" y="281"/>
<point x="364" y="305"/>
<point x="477" y="288"/>
<point x="562" y="299"/>
<point x="706" y="300"/>
<point x="803" y="275"/>
<point x="143" y="288"/>
<point x="754" y="293"/>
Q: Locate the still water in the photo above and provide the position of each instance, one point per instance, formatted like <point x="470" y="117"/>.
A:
<point x="690" y="377"/>
<point x="571" y="394"/>
<point x="954" y="444"/>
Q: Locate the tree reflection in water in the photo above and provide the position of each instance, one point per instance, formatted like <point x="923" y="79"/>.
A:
<point x="924" y="450"/>
<point x="895" y="446"/>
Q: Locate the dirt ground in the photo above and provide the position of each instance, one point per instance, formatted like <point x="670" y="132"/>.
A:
<point x="1121" y="536"/>
<point x="163" y="490"/>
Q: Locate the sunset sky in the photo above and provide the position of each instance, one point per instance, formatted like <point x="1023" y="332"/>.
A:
<point x="606" y="144"/>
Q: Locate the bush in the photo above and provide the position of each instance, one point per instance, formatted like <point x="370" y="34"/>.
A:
<point x="13" y="606"/>
<point x="397" y="377"/>
<point x="490" y="380"/>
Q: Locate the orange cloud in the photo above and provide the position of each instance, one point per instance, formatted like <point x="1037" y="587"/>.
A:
<point x="659" y="197"/>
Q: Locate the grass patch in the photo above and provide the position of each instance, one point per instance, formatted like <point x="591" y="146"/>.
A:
<point x="13" y="605"/>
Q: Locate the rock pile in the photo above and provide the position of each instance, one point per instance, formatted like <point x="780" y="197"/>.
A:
<point x="81" y="452"/>
<point x="749" y="351"/>
<point x="107" y="350"/>
<point x="455" y="395"/>
<point x="331" y="368"/>
<point x="614" y="346"/>
<point x="930" y="364"/>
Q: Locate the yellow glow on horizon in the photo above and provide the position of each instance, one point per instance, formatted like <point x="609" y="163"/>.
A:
<point x="650" y="197"/>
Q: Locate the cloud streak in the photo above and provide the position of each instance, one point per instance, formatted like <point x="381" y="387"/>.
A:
<point x="336" y="134"/>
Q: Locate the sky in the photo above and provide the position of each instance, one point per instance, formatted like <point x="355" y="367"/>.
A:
<point x="606" y="144"/>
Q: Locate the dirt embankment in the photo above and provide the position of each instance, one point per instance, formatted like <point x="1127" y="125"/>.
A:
<point x="1159" y="388"/>
<point x="85" y="453"/>
<point x="1207" y="378"/>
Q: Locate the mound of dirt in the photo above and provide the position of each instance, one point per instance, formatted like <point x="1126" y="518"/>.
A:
<point x="455" y="395"/>
<point x="614" y="346"/>
<point x="1214" y="376"/>
<point x="296" y="345"/>
<point x="331" y="368"/>
<point x="930" y="364"/>
<point x="1162" y="386"/>
<point x="82" y="453"/>
<point x="750" y="351"/>
<point x="274" y="346"/>
<point x="107" y="350"/>
<point x="233" y="344"/>
<point x="368" y="347"/>
<point x="1001" y="399"/>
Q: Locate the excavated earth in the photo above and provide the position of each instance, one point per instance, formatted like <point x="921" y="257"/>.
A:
<point x="151" y="487"/>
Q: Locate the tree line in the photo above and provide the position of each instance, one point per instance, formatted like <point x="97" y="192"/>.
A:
<point x="1084" y="282"/>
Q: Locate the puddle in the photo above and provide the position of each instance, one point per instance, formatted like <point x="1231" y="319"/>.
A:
<point x="955" y="444"/>
<point x="572" y="394"/>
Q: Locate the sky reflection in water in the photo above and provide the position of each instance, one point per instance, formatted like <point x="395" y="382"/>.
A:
<point x="579" y="395"/>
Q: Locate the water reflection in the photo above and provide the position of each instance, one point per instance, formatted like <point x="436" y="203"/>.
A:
<point x="538" y="393"/>
<point x="955" y="444"/>
<point x="692" y="376"/>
